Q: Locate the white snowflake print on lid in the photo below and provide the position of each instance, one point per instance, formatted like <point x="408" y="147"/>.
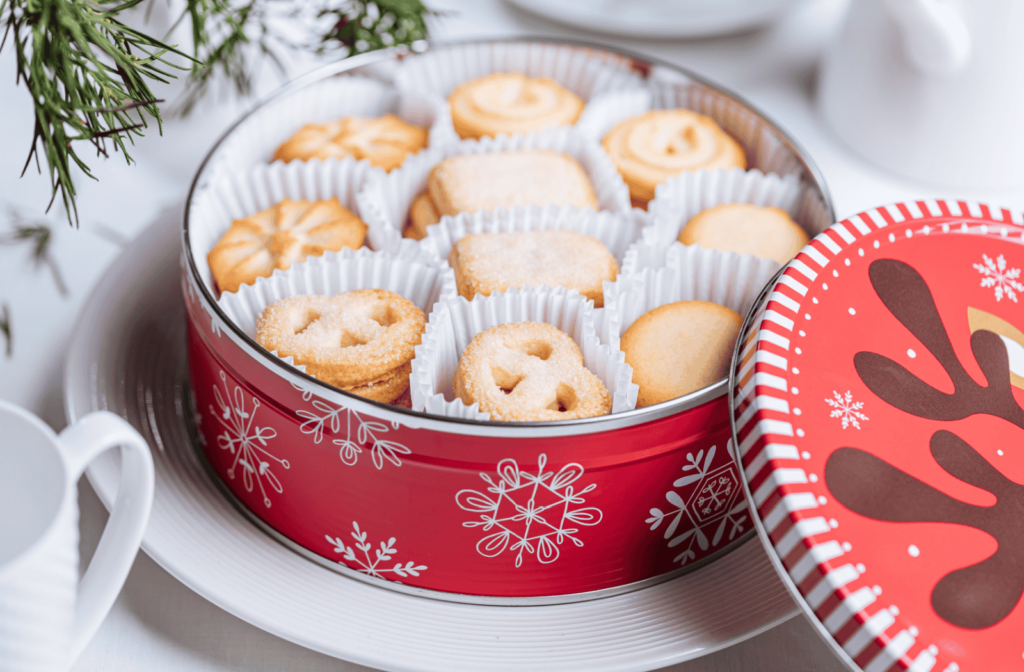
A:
<point x="714" y="504"/>
<point x="374" y="566"/>
<point x="535" y="513"/>
<point x="246" y="441"/>
<point x="845" y="408"/>
<point x="996" y="275"/>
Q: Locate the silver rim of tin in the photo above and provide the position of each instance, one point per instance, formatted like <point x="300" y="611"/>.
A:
<point x="422" y="420"/>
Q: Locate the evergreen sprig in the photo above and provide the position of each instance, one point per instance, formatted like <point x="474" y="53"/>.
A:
<point x="367" y="26"/>
<point x="87" y="74"/>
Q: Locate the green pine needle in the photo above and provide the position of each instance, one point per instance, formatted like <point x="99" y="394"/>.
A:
<point x="39" y="236"/>
<point x="86" y="73"/>
<point x="5" y="329"/>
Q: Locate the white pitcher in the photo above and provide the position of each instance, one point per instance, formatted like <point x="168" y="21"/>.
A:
<point x="46" y="615"/>
<point x="931" y="89"/>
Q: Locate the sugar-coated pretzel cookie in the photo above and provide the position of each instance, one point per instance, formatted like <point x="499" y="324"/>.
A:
<point x="279" y="236"/>
<point x="679" y="348"/>
<point x="653" y="147"/>
<point x="494" y="262"/>
<point x="742" y="228"/>
<point x="529" y="371"/>
<point x="361" y="341"/>
<point x="509" y="103"/>
<point x="384" y="142"/>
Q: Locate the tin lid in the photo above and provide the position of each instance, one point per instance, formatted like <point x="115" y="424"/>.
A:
<point x="876" y="399"/>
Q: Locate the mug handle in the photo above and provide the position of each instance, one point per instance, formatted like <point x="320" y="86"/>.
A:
<point x="81" y="443"/>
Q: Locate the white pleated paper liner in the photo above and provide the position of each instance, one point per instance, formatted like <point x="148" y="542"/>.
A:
<point x="411" y="274"/>
<point x="689" y="273"/>
<point x="242" y="193"/>
<point x="616" y="232"/>
<point x="586" y="72"/>
<point x="385" y="200"/>
<point x="258" y="136"/>
<point x="680" y="198"/>
<point x="456" y="321"/>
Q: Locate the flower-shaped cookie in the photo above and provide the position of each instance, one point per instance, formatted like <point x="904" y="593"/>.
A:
<point x="384" y="142"/>
<point x="279" y="236"/>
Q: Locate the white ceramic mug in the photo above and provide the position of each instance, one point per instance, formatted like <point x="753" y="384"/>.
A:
<point x="930" y="89"/>
<point x="46" y="615"/>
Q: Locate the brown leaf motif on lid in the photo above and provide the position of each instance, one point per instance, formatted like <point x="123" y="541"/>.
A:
<point x="983" y="594"/>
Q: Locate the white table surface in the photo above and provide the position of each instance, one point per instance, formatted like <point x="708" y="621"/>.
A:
<point x="157" y="623"/>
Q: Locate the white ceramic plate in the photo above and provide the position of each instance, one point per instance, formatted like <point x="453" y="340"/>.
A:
<point x="658" y="18"/>
<point x="128" y="356"/>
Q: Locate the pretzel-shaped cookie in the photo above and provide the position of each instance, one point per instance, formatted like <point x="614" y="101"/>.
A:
<point x="362" y="341"/>
<point x="529" y="371"/>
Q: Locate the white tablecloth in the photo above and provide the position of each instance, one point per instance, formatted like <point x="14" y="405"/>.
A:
<point x="160" y="625"/>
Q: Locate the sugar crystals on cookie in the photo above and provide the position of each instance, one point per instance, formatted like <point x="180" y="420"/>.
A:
<point x="494" y="262"/>
<point x="361" y="341"/>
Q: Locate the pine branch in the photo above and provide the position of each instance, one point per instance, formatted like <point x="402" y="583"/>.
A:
<point x="40" y="237"/>
<point x="367" y="26"/>
<point x="86" y="73"/>
<point x="5" y="329"/>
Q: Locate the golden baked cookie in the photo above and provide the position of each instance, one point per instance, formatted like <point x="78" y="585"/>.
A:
<point x="361" y="341"/>
<point x="529" y="371"/>
<point x="653" y="147"/>
<point x="494" y="262"/>
<point x="472" y="182"/>
<point x="511" y="102"/>
<point x="280" y="236"/>
<point x="679" y="348"/>
<point x="762" y="231"/>
<point x="422" y="214"/>
<point x="384" y="142"/>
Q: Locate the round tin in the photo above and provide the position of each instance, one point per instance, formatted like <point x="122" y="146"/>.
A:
<point x="487" y="512"/>
<point x="876" y="395"/>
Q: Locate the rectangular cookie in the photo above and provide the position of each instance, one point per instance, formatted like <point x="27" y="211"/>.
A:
<point x="474" y="182"/>
<point x="494" y="262"/>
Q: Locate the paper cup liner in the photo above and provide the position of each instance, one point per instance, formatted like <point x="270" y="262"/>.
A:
<point x="586" y="72"/>
<point x="259" y="135"/>
<point x="616" y="232"/>
<point x="385" y="200"/>
<point x="456" y="321"/>
<point x="689" y="273"/>
<point x="411" y="274"/>
<point x="242" y="193"/>
<point x="680" y="198"/>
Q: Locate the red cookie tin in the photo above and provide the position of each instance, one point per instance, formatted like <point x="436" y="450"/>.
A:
<point x="877" y="399"/>
<point x="487" y="512"/>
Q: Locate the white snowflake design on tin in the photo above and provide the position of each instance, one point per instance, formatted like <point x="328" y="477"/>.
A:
<point x="996" y="275"/>
<point x="366" y="432"/>
<point x="373" y="566"/>
<point x="844" y="407"/>
<point x="246" y="441"/>
<point x="713" y="500"/>
<point x="536" y="513"/>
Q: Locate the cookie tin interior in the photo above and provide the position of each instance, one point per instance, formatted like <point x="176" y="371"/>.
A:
<point x="377" y="64"/>
<point x="876" y="395"/>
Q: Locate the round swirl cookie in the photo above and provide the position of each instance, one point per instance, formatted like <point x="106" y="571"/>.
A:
<point x="361" y="341"/>
<point x="743" y="228"/>
<point x="650" y="148"/>
<point x="680" y="348"/>
<point x="529" y="371"/>
<point x="384" y="142"/>
<point x="509" y="103"/>
<point x="277" y="237"/>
